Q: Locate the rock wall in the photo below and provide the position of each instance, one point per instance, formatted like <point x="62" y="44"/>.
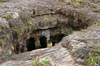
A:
<point x="21" y="20"/>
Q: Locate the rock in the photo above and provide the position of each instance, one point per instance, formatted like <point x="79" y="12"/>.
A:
<point x="26" y="24"/>
<point x="80" y="44"/>
<point x="57" y="55"/>
<point x="4" y="22"/>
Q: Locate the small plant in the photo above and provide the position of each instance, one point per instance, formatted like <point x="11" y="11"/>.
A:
<point x="50" y="15"/>
<point x="48" y="20"/>
<point x="19" y="34"/>
<point x="35" y="61"/>
<point x="22" y="8"/>
<point x="45" y="62"/>
<point x="7" y="36"/>
<point x="94" y="59"/>
<point x="29" y="21"/>
<point x="96" y="23"/>
<point x="77" y="4"/>
<point x="8" y="16"/>
<point x="68" y="2"/>
<point x="50" y="44"/>
<point x="92" y="5"/>
<point x="28" y="36"/>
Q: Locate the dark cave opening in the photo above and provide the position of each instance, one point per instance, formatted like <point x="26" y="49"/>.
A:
<point x="56" y="38"/>
<point x="43" y="41"/>
<point x="30" y="44"/>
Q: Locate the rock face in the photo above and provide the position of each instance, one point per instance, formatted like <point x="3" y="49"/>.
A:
<point x="57" y="55"/>
<point x="26" y="25"/>
<point x="80" y="44"/>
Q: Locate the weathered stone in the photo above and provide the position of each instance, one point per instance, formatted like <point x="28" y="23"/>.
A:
<point x="25" y="20"/>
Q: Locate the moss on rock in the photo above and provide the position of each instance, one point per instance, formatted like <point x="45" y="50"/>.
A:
<point x="3" y="0"/>
<point x="2" y="27"/>
<point x="1" y="42"/>
<point x="97" y="10"/>
<point x="48" y="20"/>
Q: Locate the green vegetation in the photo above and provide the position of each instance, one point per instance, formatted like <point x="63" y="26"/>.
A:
<point x="1" y="43"/>
<point x="68" y="2"/>
<point x="49" y="44"/>
<point x="43" y="63"/>
<point x="97" y="10"/>
<point x="18" y="32"/>
<point x="7" y="36"/>
<point x="22" y="8"/>
<point x="96" y="1"/>
<point x="96" y="23"/>
<point x="8" y="16"/>
<point x="3" y="0"/>
<point x="2" y="27"/>
<point x="94" y="59"/>
<point x="92" y="5"/>
<point x="30" y="22"/>
<point x="48" y="20"/>
<point x="36" y="61"/>
<point x="78" y="3"/>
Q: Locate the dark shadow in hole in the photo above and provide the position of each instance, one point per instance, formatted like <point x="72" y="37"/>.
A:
<point x="76" y="28"/>
<point x="43" y="41"/>
<point x="56" y="38"/>
<point x="30" y="44"/>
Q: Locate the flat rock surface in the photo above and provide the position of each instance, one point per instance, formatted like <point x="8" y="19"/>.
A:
<point x="57" y="55"/>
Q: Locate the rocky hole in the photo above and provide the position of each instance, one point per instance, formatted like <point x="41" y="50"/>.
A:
<point x="56" y="38"/>
<point x="43" y="41"/>
<point x="30" y="43"/>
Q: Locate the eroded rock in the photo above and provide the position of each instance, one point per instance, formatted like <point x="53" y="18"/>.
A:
<point x="39" y="22"/>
